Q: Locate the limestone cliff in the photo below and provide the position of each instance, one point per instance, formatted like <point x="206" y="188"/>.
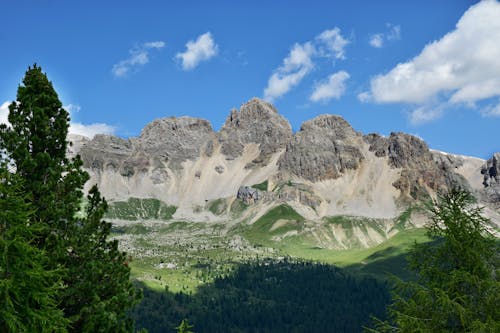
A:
<point x="327" y="168"/>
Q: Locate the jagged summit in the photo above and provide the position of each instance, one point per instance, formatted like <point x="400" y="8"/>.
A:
<point x="256" y="122"/>
<point x="326" y="168"/>
<point x="324" y="148"/>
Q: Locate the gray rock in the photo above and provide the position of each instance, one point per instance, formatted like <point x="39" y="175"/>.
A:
<point x="256" y="122"/>
<point x="324" y="148"/>
<point x="421" y="169"/>
<point x="219" y="169"/>
<point x="106" y="152"/>
<point x="175" y="140"/>
<point x="159" y="176"/>
<point x="299" y="193"/>
<point x="248" y="194"/>
<point x="491" y="171"/>
<point x="491" y="176"/>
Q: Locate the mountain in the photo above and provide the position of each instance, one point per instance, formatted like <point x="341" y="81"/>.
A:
<point x="181" y="167"/>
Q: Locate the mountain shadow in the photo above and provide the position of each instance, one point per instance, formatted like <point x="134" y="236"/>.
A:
<point x="270" y="297"/>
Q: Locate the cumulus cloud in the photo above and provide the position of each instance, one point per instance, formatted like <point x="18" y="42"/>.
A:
<point x="139" y="56"/>
<point x="300" y="61"/>
<point x="90" y="130"/>
<point x="333" y="87"/>
<point x="295" y="66"/>
<point x="460" y="68"/>
<point x="492" y="110"/>
<point x="393" y="33"/>
<point x="202" y="49"/>
<point x="331" y="44"/>
<point x="4" y="112"/>
<point x="425" y="114"/>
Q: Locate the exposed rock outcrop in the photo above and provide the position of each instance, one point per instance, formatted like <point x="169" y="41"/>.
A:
<point x="175" y="140"/>
<point x="107" y="153"/>
<point x="491" y="171"/>
<point x="256" y="122"/>
<point x="324" y="148"/>
<point x="491" y="180"/>
<point x="422" y="172"/>
<point x="248" y="194"/>
<point x="326" y="168"/>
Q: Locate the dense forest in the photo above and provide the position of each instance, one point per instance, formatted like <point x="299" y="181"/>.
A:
<point x="270" y="297"/>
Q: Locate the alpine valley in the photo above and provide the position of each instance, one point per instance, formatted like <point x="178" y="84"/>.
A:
<point x="191" y="205"/>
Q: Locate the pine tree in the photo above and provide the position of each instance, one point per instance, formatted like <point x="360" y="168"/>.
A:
<point x="458" y="289"/>
<point x="184" y="327"/>
<point x="28" y="288"/>
<point x="98" y="290"/>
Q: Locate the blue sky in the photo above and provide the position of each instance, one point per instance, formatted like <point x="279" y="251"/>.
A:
<point x="428" y="68"/>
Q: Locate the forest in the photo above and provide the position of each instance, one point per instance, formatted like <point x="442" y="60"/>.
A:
<point x="270" y="296"/>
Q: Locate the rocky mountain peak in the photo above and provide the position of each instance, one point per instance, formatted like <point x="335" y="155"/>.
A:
<point x="256" y="122"/>
<point x="335" y="125"/>
<point x="175" y="140"/>
<point x="324" y="148"/>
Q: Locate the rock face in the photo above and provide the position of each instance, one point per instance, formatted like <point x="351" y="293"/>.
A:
<point x="164" y="142"/>
<point x="248" y="194"/>
<point x="175" y="140"/>
<point x="108" y="153"/>
<point x="421" y="170"/>
<point x="491" y="171"/>
<point x="324" y="148"/>
<point x="325" y="169"/>
<point x="491" y="180"/>
<point x="256" y="122"/>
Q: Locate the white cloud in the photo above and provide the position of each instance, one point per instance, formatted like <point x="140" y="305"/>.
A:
<point x="460" y="68"/>
<point x="139" y="56"/>
<point x="91" y="130"/>
<point x="86" y="130"/>
<point x="72" y="108"/>
<point x="4" y="112"/>
<point x="332" y="44"/>
<point x="394" y="32"/>
<point x="425" y="114"/>
<point x="295" y="66"/>
<point x="491" y="110"/>
<point x="333" y="87"/>
<point x="300" y="62"/>
<point x="155" y="45"/>
<point x="197" y="51"/>
<point x="365" y="97"/>
<point x="377" y="40"/>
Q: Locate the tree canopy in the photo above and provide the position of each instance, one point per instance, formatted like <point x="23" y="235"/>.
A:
<point x="458" y="289"/>
<point x="94" y="274"/>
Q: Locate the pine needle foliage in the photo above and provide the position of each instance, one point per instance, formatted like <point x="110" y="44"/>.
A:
<point x="458" y="289"/>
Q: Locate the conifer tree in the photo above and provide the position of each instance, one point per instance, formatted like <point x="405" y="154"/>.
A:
<point x="28" y="288"/>
<point x="458" y="289"/>
<point x="98" y="290"/>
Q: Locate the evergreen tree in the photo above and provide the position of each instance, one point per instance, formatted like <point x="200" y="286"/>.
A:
<point x="458" y="289"/>
<point x="184" y="327"/>
<point x="28" y="289"/>
<point x="98" y="290"/>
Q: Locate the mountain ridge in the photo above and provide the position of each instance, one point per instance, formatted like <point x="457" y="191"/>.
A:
<point x="325" y="169"/>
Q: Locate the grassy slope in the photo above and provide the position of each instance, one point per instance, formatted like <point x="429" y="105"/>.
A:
<point x="201" y="253"/>
<point x="385" y="258"/>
